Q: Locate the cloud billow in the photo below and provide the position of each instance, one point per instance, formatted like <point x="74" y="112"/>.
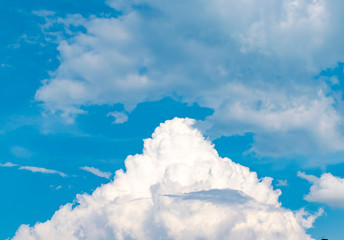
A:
<point x="252" y="62"/>
<point x="327" y="189"/>
<point x="178" y="188"/>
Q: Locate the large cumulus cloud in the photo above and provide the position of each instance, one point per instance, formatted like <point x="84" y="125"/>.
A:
<point x="252" y="62"/>
<point x="178" y="188"/>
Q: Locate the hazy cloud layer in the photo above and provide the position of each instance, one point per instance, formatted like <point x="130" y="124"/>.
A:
<point x="178" y="188"/>
<point x="327" y="189"/>
<point x="252" y="62"/>
<point x="21" y="152"/>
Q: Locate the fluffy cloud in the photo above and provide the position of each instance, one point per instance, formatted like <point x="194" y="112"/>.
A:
<point x="252" y="62"/>
<point x="97" y="172"/>
<point x="178" y="188"/>
<point x="327" y="189"/>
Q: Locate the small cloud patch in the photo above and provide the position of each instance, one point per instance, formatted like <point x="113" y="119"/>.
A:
<point x="97" y="172"/>
<point x="120" y="117"/>
<point x="327" y="189"/>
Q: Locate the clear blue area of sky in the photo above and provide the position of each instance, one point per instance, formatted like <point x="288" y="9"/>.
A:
<point x="28" y="139"/>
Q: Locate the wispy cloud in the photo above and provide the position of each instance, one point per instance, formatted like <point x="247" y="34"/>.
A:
<point x="33" y="169"/>
<point x="21" y="152"/>
<point x="8" y="164"/>
<point x="120" y="117"/>
<point x="4" y="65"/>
<point x="97" y="172"/>
<point x="281" y="183"/>
<point x="42" y="170"/>
<point x="43" y="13"/>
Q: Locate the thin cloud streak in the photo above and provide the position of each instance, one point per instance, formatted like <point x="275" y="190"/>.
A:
<point x="97" y="172"/>
<point x="8" y="164"/>
<point x="42" y="170"/>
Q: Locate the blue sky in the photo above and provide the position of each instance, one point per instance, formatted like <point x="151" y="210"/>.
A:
<point x="83" y="83"/>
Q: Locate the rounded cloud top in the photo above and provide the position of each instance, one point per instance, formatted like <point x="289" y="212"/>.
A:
<point x="178" y="188"/>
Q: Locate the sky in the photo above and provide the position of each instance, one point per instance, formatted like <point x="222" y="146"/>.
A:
<point x="146" y="119"/>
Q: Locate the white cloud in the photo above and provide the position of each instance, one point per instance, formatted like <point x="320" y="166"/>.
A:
<point x="33" y="169"/>
<point x="252" y="62"/>
<point x="97" y="172"/>
<point x="327" y="189"/>
<point x="306" y="219"/>
<point x="281" y="183"/>
<point x="178" y="188"/>
<point x="120" y="117"/>
<point x="42" y="170"/>
<point x="8" y="164"/>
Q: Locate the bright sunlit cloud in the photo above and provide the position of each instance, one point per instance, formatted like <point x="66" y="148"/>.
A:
<point x="178" y="188"/>
<point x="327" y="189"/>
